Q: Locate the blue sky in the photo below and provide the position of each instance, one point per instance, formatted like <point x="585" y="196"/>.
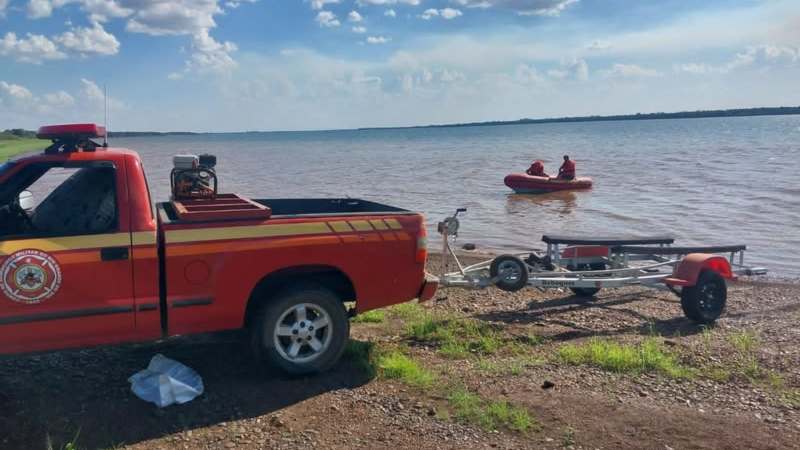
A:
<point x="207" y="65"/>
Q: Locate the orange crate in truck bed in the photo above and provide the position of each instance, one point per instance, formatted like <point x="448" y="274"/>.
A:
<point x="224" y="206"/>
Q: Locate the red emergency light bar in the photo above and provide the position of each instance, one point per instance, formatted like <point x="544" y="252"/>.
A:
<point x="75" y="131"/>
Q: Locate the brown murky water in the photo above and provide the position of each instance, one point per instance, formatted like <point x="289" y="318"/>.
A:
<point x="707" y="181"/>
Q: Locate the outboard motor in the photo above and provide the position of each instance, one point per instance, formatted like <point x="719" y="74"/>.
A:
<point x="193" y="177"/>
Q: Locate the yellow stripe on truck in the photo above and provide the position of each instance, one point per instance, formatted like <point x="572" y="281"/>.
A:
<point x="58" y="244"/>
<point x="361" y="225"/>
<point x="340" y="226"/>
<point x="258" y="231"/>
<point x="394" y="224"/>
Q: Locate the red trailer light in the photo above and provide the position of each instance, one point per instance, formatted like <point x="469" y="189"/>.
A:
<point x="75" y="131"/>
<point x="422" y="244"/>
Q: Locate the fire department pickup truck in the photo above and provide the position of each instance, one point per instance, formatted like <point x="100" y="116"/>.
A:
<point x="86" y="259"/>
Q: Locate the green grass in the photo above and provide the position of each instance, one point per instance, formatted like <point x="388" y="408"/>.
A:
<point x="396" y="365"/>
<point x="374" y="316"/>
<point x="457" y="338"/>
<point x="12" y="145"/>
<point x="489" y="415"/>
<point x="647" y="356"/>
<point x="409" y="311"/>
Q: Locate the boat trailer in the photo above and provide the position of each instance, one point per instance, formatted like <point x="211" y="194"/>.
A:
<point x="697" y="275"/>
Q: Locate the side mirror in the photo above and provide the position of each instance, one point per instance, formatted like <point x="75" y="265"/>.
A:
<point x="25" y="200"/>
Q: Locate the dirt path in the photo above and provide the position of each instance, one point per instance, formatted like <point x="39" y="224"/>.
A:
<point x="742" y="390"/>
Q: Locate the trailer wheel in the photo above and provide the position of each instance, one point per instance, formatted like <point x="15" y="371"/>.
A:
<point x="302" y="330"/>
<point x="705" y="301"/>
<point x="587" y="292"/>
<point x="509" y="272"/>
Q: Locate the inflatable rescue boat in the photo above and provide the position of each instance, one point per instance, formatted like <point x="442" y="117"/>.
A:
<point x="527" y="184"/>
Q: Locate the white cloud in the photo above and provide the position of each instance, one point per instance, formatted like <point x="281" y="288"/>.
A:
<point x="576" y="69"/>
<point x="233" y="4"/>
<point x="630" y="71"/>
<point x="449" y="13"/>
<point x="757" y="57"/>
<point x="354" y="16"/>
<point x="94" y="40"/>
<point x="388" y="2"/>
<point x="173" y="18"/>
<point x="481" y="4"/>
<point x="59" y="99"/>
<point x="390" y="13"/>
<point x="551" y="8"/>
<point x="694" y="68"/>
<point x="327" y="19"/>
<point x="446" y="13"/>
<point x="91" y="90"/>
<point x="377" y="40"/>
<point x="3" y="6"/>
<point x="359" y="29"/>
<point x="34" y="48"/>
<point x="319" y="4"/>
<point x="210" y="55"/>
<point x="428" y="14"/>
<point x="38" y="9"/>
<point x="15" y="91"/>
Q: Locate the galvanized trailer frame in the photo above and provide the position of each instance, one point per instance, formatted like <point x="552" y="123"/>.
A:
<point x="587" y="264"/>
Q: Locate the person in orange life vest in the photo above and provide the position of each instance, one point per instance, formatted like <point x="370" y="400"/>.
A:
<point x="567" y="170"/>
<point x="537" y="169"/>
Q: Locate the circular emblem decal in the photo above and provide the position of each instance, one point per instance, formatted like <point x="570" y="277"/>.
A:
<point x="30" y="276"/>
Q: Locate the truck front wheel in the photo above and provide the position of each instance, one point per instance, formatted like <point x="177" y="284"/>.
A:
<point x="302" y="330"/>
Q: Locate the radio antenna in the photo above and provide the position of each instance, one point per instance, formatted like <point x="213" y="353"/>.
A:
<point x="105" y="112"/>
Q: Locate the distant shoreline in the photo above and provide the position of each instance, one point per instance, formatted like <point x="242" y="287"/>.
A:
<point x="738" y="112"/>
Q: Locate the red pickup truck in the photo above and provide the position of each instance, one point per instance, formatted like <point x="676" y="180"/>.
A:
<point x="85" y="258"/>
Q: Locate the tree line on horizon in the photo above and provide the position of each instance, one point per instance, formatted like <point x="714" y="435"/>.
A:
<point x="20" y="133"/>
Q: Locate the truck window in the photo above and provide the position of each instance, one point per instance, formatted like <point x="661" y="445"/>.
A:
<point x="66" y="201"/>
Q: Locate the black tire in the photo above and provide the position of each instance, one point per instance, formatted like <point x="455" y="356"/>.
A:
<point x="705" y="301"/>
<point x="280" y="314"/>
<point x="584" y="292"/>
<point x="510" y="273"/>
<point x="587" y="292"/>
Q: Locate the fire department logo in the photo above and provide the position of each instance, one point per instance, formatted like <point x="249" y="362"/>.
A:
<point x="30" y="276"/>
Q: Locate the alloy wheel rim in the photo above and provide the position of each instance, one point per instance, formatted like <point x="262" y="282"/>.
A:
<point x="303" y="333"/>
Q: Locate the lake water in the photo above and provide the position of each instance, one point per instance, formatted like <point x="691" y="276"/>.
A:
<point x="706" y="181"/>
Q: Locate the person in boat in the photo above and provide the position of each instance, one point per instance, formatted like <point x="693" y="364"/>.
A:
<point x="537" y="169"/>
<point x="567" y="169"/>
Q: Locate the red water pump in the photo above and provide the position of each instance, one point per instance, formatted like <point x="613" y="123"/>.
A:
<point x="193" y="177"/>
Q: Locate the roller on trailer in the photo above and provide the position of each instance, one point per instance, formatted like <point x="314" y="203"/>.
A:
<point x="585" y="265"/>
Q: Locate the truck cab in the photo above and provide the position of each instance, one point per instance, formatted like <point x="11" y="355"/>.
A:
<point x="87" y="259"/>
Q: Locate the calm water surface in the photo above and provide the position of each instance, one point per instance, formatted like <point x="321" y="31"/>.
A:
<point x="706" y="181"/>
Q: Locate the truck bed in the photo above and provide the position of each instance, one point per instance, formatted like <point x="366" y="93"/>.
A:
<point x="293" y="207"/>
<point x="318" y="206"/>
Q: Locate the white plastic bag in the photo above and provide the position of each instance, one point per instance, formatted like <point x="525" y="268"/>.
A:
<point x="166" y="381"/>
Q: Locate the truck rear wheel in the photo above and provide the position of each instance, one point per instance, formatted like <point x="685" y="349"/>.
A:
<point x="302" y="330"/>
<point x="705" y="301"/>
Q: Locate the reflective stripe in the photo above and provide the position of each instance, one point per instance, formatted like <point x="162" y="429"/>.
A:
<point x="258" y="231"/>
<point x="361" y="225"/>
<point x="57" y="244"/>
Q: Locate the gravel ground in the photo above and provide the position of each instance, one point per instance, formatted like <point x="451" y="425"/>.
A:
<point x="54" y="397"/>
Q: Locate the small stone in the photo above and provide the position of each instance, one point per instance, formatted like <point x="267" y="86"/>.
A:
<point x="230" y="444"/>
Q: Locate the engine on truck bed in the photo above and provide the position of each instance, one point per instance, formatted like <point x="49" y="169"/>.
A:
<point x="193" y="177"/>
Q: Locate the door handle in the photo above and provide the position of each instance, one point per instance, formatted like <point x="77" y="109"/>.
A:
<point x="113" y="253"/>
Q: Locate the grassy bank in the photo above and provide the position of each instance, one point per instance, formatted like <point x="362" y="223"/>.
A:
<point x="12" y="145"/>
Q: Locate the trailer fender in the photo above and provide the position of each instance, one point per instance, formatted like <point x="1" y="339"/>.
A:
<point x="688" y="270"/>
